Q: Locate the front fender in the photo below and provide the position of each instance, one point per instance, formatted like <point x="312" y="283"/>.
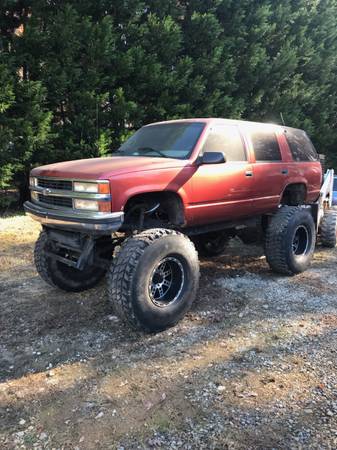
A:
<point x="178" y="182"/>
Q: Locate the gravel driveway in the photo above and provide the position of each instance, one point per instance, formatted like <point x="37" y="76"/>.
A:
<point x="252" y="366"/>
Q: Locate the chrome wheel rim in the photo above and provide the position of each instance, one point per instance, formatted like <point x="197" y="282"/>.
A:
<point x="300" y="242"/>
<point x="166" y="282"/>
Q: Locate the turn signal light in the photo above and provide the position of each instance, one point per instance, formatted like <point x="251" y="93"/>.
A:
<point x="104" y="188"/>
<point x="104" y="206"/>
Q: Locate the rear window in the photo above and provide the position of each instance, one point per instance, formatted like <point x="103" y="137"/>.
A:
<point x="300" y="145"/>
<point x="265" y="145"/>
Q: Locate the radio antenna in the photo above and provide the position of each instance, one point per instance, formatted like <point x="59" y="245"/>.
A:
<point x="282" y="119"/>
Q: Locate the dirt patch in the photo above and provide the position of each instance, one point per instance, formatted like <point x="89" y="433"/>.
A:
<point x="253" y="365"/>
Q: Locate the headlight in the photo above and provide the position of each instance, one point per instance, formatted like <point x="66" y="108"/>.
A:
<point x="80" y="186"/>
<point x="101" y="187"/>
<point x="87" y="205"/>
<point x="32" y="181"/>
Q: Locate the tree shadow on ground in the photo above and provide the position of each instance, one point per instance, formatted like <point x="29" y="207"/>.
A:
<point x="65" y="357"/>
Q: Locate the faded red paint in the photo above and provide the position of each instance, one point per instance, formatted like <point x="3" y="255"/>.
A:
<point x="210" y="193"/>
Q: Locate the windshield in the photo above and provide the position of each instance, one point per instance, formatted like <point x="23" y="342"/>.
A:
<point x="169" y="140"/>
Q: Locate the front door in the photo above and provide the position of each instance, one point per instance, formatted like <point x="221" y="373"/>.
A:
<point x="223" y="191"/>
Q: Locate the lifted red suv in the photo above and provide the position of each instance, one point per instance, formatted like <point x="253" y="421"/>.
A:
<point x="137" y="216"/>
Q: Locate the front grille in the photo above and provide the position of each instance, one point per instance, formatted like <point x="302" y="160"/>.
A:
<point x="56" y="201"/>
<point x="64" y="185"/>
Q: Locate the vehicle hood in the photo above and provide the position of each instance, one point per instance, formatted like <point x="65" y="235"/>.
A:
<point x="104" y="168"/>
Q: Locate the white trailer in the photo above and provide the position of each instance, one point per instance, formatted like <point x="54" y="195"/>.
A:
<point x="326" y="216"/>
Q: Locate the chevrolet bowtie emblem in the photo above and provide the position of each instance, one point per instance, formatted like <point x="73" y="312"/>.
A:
<point x="46" y="191"/>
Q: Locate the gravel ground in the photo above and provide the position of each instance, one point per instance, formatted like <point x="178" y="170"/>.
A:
<point x="252" y="366"/>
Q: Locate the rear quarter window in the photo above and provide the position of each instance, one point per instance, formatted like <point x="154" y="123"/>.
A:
<point x="301" y="146"/>
<point x="266" y="146"/>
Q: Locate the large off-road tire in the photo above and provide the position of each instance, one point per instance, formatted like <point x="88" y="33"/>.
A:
<point x="290" y="240"/>
<point x="57" y="274"/>
<point x="329" y="229"/>
<point x="211" y="244"/>
<point x="153" y="279"/>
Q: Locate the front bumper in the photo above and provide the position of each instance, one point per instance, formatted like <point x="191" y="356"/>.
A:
<point x="103" y="223"/>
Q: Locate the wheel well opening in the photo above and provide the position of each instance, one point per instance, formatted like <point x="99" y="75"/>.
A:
<point x="294" y="194"/>
<point x="154" y="208"/>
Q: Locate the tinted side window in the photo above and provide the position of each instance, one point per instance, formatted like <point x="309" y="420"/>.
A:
<point x="226" y="139"/>
<point x="265" y="145"/>
<point x="300" y="145"/>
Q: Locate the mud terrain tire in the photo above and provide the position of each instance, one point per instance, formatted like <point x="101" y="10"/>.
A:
<point x="329" y="229"/>
<point x="60" y="275"/>
<point x="290" y="240"/>
<point x="153" y="279"/>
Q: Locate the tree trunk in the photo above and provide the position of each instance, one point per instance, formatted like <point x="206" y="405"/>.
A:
<point x="22" y="183"/>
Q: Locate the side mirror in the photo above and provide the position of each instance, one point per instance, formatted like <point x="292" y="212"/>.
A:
<point x="213" y="158"/>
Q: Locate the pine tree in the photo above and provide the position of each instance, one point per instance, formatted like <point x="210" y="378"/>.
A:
<point x="77" y="78"/>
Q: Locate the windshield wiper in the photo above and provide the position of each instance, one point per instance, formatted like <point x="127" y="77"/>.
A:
<point x="150" y="149"/>
<point x="129" y="152"/>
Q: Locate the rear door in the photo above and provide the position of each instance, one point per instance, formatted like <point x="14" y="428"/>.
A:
<point x="270" y="172"/>
<point x="223" y="191"/>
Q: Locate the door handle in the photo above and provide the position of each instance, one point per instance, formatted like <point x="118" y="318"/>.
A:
<point x="284" y="171"/>
<point x="249" y="173"/>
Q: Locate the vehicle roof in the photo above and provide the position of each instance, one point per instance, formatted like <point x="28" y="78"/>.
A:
<point x="209" y="120"/>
